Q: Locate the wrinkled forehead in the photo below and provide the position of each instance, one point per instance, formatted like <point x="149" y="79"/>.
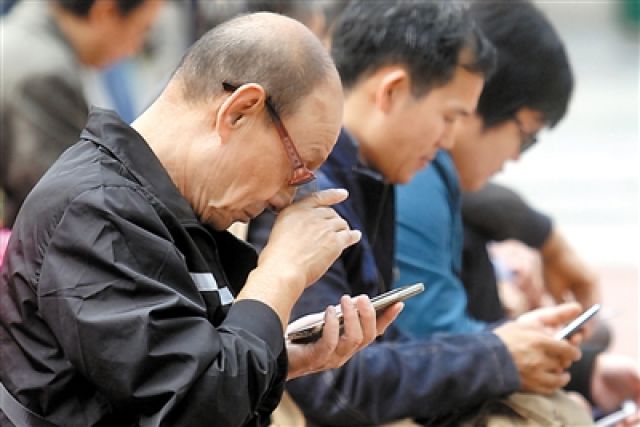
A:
<point x="316" y="124"/>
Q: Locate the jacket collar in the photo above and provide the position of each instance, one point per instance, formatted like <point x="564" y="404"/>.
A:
<point x="443" y="163"/>
<point x="108" y="131"/>
<point x="345" y="156"/>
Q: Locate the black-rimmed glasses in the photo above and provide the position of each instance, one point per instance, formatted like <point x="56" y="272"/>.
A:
<point x="301" y="174"/>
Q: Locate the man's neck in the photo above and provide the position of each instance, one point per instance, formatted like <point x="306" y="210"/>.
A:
<point x="169" y="126"/>
<point x="354" y="118"/>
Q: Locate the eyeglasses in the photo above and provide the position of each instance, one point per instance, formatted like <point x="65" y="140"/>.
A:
<point x="301" y="174"/>
<point x="528" y="139"/>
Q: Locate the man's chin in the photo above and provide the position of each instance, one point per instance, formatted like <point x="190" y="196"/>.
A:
<point x="407" y="178"/>
<point x="474" y="186"/>
<point x="219" y="224"/>
<point x="224" y="223"/>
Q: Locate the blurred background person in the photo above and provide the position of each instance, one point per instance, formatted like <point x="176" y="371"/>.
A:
<point x="42" y="102"/>
<point x="593" y="198"/>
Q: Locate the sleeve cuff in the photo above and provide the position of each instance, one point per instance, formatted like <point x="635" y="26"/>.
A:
<point x="504" y="363"/>
<point x="259" y="319"/>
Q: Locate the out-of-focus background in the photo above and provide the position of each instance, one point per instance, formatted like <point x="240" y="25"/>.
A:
<point x="585" y="173"/>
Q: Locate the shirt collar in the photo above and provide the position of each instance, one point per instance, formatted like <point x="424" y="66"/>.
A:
<point x="349" y="158"/>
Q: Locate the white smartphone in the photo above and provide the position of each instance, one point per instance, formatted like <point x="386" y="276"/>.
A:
<point x="575" y="325"/>
<point x="310" y="332"/>
<point x="629" y="408"/>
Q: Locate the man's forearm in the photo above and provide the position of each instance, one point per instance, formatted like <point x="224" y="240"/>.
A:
<point x="277" y="289"/>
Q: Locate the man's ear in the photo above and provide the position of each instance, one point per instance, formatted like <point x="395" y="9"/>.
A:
<point x="393" y="86"/>
<point x="245" y="103"/>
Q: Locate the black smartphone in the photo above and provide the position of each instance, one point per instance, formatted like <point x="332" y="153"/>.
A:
<point x="575" y="325"/>
<point x="311" y="332"/>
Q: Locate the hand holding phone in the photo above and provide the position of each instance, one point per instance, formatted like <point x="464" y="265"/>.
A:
<point x="575" y="325"/>
<point x="309" y="328"/>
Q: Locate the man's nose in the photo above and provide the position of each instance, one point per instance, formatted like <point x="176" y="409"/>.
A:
<point x="516" y="154"/>
<point x="447" y="140"/>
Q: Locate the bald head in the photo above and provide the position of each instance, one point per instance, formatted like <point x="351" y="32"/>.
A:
<point x="277" y="52"/>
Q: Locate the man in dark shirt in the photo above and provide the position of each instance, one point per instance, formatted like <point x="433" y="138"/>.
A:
<point x="410" y="70"/>
<point x="122" y="299"/>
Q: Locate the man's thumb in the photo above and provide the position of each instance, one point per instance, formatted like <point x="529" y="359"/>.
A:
<point x="327" y="197"/>
<point x="560" y="314"/>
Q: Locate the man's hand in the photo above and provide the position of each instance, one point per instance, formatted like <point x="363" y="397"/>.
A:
<point x="566" y="275"/>
<point x="525" y="266"/>
<point x="551" y="319"/>
<point x="307" y="237"/>
<point x="615" y="379"/>
<point x="541" y="360"/>
<point x="333" y="349"/>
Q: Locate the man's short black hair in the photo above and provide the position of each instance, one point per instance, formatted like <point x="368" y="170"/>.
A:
<point x="533" y="69"/>
<point x="425" y="36"/>
<point x="82" y="7"/>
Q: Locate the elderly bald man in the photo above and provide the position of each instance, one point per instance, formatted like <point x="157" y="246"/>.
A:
<point x="124" y="301"/>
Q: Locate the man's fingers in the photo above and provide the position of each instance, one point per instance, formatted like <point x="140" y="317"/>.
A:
<point x="559" y="315"/>
<point x="367" y="317"/>
<point x="562" y="351"/>
<point x="348" y="237"/>
<point x="338" y="223"/>
<point x="330" y="331"/>
<point x="547" y="382"/>
<point x="577" y="338"/>
<point x="387" y="316"/>
<point x="325" y="197"/>
<point x="352" y="335"/>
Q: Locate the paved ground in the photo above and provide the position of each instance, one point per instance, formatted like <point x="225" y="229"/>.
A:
<point x="586" y="171"/>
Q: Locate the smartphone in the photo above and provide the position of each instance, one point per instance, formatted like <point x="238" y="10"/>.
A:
<point x="311" y="332"/>
<point x="575" y="325"/>
<point x="629" y="408"/>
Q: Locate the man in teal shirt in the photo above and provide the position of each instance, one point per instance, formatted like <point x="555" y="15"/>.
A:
<point x="523" y="96"/>
<point x="530" y="90"/>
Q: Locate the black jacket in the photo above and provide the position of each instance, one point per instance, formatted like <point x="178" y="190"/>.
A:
<point x="115" y="301"/>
